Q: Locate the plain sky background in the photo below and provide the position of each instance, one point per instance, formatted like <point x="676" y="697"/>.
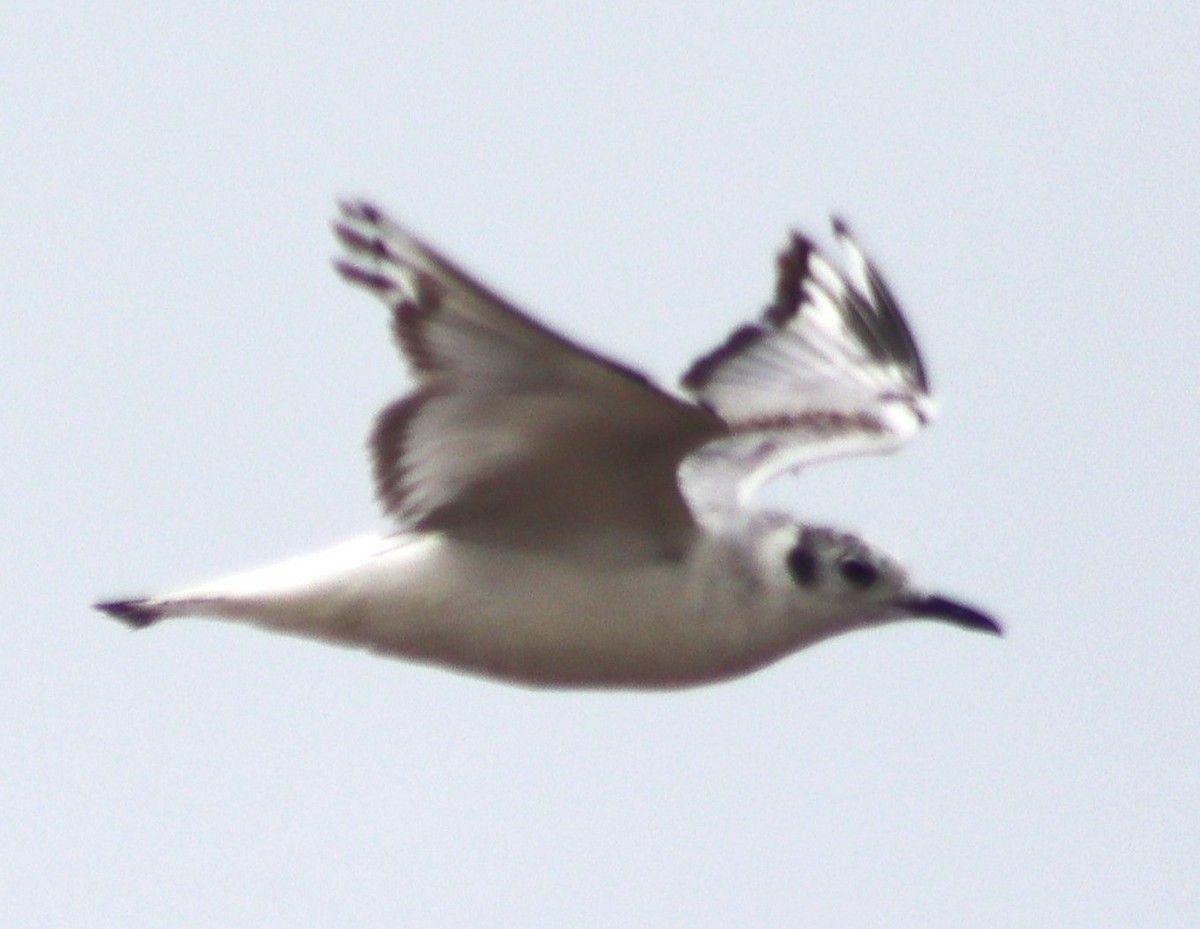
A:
<point x="187" y="388"/>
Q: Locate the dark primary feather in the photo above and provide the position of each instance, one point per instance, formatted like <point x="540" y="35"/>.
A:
<point x="875" y="317"/>
<point x="884" y="317"/>
<point x="829" y="369"/>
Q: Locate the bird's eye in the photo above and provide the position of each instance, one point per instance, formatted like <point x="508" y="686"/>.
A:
<point x="858" y="573"/>
<point x="802" y="564"/>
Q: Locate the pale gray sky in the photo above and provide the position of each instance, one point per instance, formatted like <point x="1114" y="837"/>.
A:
<point x="187" y="388"/>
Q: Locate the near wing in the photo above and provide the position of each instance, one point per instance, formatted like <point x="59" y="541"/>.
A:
<point x="829" y="370"/>
<point x="514" y="434"/>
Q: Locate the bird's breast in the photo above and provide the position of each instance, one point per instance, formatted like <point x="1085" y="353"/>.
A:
<point x="540" y="619"/>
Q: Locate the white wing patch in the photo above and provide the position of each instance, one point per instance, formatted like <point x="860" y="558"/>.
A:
<point x="514" y="429"/>
<point x="829" y="370"/>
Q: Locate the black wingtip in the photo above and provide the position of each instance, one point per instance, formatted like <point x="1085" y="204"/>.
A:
<point x="356" y="241"/>
<point x="371" y="280"/>
<point x="791" y="270"/>
<point x="137" y="613"/>
<point x="361" y="209"/>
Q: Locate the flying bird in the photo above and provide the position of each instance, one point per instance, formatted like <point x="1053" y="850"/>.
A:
<point x="560" y="520"/>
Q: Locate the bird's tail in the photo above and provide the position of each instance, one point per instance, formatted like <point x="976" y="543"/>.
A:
<point x="138" y="612"/>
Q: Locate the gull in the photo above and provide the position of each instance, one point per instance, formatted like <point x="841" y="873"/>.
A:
<point x="558" y="520"/>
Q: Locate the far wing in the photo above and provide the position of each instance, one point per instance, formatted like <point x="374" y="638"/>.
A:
<point x="830" y="369"/>
<point x="514" y="435"/>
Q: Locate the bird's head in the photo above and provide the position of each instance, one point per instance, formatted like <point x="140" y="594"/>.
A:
<point x="845" y="583"/>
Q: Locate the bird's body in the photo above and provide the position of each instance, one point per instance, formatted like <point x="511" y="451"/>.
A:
<point x="529" y="617"/>
<point x="561" y="521"/>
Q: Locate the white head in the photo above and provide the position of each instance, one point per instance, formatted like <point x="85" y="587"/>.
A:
<point x="838" y="582"/>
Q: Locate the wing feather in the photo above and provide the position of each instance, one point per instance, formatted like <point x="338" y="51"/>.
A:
<point x="830" y="369"/>
<point x="515" y="434"/>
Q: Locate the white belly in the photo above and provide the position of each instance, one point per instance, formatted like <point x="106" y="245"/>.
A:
<point x="510" y="614"/>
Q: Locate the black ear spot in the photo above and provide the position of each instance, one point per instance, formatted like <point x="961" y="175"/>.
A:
<point x="802" y="564"/>
<point x="858" y="573"/>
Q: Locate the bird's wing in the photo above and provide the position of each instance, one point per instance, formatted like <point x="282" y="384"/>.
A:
<point x="514" y="435"/>
<point x="830" y="369"/>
